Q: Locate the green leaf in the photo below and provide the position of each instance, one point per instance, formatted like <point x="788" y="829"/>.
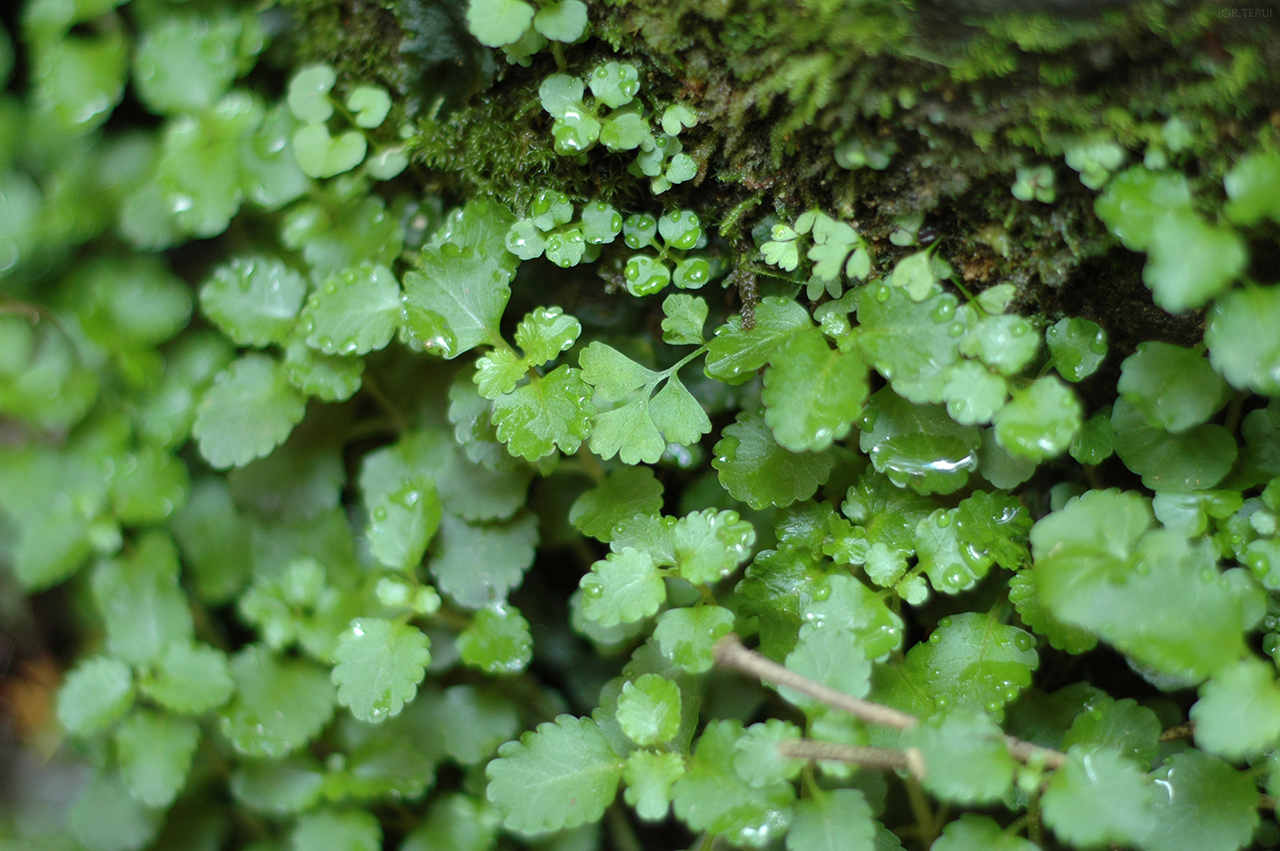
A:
<point x="142" y="605"/>
<point x="993" y="526"/>
<point x="249" y="411"/>
<point x="710" y="545"/>
<point x="1098" y="797"/>
<point x="154" y="752"/>
<point x="1241" y="347"/>
<point x="215" y="541"/>
<point x="370" y="105"/>
<point x="688" y="636"/>
<point x="78" y="80"/>
<point x="280" y="704"/>
<point x="1077" y="347"/>
<point x="831" y="655"/>
<point x="308" y="94"/>
<point x="842" y="603"/>
<point x="1172" y="387"/>
<point x="908" y="343"/>
<point x="149" y="486"/>
<point x="622" y="494"/>
<point x="479" y="563"/>
<point x="1202" y="804"/>
<point x="649" y="776"/>
<point x="551" y="412"/>
<point x="473" y="721"/>
<point x="1004" y="343"/>
<point x="754" y="468"/>
<point x="341" y="234"/>
<point x="498" y="22"/>
<point x="337" y="830"/>
<point x="320" y="155"/>
<point x="95" y="693"/>
<point x="636" y="430"/>
<point x="1238" y="713"/>
<point x="1193" y="460"/>
<point x="1164" y="575"/>
<point x="813" y="393"/>
<point x="736" y="352"/>
<point x="353" y="312"/>
<point x="185" y="62"/>
<point x="1252" y="185"/>
<point x="107" y="817"/>
<point x="330" y="378"/>
<point x="199" y="169"/>
<point x="838" y="820"/>
<point x="1096" y="440"/>
<point x="649" y="710"/>
<point x="712" y="797"/>
<point x="379" y="666"/>
<point x="1137" y="199"/>
<point x="684" y="317"/>
<point x="1037" y="617"/>
<point x="545" y="332"/>
<point x="562" y="21"/>
<point x="280" y="786"/>
<point x="624" y="587"/>
<point x="973" y="832"/>
<point x="1190" y="262"/>
<point x="402" y="522"/>
<point x="467" y="289"/>
<point x="972" y="393"/>
<point x="456" y="821"/>
<point x="1039" y="421"/>
<point x="497" y="641"/>
<point x="976" y="662"/>
<point x="917" y="446"/>
<point x="756" y="758"/>
<point x="1121" y="725"/>
<point x="965" y="757"/>
<point x="561" y="775"/>
<point x="190" y="678"/>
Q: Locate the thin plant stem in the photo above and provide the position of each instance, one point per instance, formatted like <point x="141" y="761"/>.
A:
<point x="730" y="652"/>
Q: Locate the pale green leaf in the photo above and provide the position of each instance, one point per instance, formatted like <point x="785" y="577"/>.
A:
<point x="254" y="299"/>
<point x="754" y="468"/>
<point x="95" y="693"/>
<point x="813" y="393"/>
<point x="497" y="641"/>
<point x="1191" y="262"/>
<point x="551" y="412"/>
<point x="498" y="22"/>
<point x="1242" y="347"/>
<point x="649" y="710"/>
<point x="280" y="704"/>
<point x="1097" y="797"/>
<point x="353" y="312"/>
<point x="687" y="636"/>
<point x="622" y="494"/>
<point x="1174" y="388"/>
<point x="142" y="605"/>
<point x="964" y="755"/>
<point x="479" y="563"/>
<point x="337" y="830"/>
<point x="737" y="352"/>
<point x="190" y="678"/>
<point x="466" y="288"/>
<point x="649" y="776"/>
<point x="838" y="820"/>
<point x="561" y="775"/>
<point x="973" y="832"/>
<point x="624" y="587"/>
<point x="712" y="797"/>
<point x="1202" y="804"/>
<point x="379" y="666"/>
<point x="1039" y="421"/>
<point x="154" y="752"/>
<point x="249" y="411"/>
<point x="710" y="545"/>
<point x="1238" y="713"/>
